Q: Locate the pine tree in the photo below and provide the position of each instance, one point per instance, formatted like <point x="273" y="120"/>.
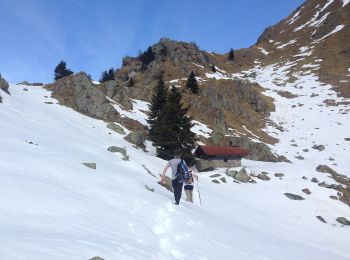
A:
<point x="147" y="57"/>
<point x="157" y="104"/>
<point x="107" y="75"/>
<point x="192" y="83"/>
<point x="111" y="74"/>
<point x="174" y="129"/>
<point x="231" y="55"/>
<point x="213" y="69"/>
<point x="61" y="70"/>
<point x="104" y="76"/>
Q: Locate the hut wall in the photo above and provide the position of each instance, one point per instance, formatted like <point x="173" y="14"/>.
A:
<point x="206" y="165"/>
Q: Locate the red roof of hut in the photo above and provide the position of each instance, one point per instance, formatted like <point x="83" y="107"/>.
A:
<point x="224" y="151"/>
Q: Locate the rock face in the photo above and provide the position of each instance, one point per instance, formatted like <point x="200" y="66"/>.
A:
<point x="343" y="221"/>
<point x="242" y="176"/>
<point x="78" y="92"/>
<point x="293" y="196"/>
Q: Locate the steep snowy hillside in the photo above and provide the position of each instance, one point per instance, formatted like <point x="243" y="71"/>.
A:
<point x="54" y="207"/>
<point x="314" y="37"/>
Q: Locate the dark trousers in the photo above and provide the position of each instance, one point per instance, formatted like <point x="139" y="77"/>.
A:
<point x="177" y="186"/>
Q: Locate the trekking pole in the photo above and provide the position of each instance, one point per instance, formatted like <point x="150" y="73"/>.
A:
<point x="199" y="194"/>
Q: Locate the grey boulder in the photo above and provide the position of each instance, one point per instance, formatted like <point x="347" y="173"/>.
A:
<point x="263" y="177"/>
<point x="242" y="176"/>
<point x="136" y="138"/>
<point x="343" y="221"/>
<point x="90" y="165"/>
<point x="116" y="128"/>
<point x="293" y="196"/>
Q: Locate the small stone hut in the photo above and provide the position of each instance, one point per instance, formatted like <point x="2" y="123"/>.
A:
<point x="210" y="157"/>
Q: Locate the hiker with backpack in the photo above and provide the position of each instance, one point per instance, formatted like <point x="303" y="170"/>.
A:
<point x="189" y="186"/>
<point x="179" y="175"/>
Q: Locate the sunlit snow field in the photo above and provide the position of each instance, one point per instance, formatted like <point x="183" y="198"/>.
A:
<point x="53" y="207"/>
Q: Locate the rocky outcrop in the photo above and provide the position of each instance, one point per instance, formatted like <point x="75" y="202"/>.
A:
<point x="176" y="58"/>
<point x="78" y="92"/>
<point x="118" y="94"/>
<point x="4" y="86"/>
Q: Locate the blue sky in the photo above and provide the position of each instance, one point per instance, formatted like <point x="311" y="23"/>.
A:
<point x="94" y="35"/>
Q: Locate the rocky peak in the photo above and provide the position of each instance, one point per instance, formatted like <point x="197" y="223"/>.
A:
<point x="173" y="59"/>
<point x="179" y="52"/>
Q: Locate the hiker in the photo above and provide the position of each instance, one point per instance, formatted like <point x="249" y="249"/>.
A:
<point x="176" y="183"/>
<point x="189" y="187"/>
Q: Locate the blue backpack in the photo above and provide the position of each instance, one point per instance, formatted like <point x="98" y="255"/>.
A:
<point x="183" y="174"/>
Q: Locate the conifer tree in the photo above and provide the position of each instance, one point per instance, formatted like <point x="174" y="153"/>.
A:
<point x="107" y="75"/>
<point x="231" y="55"/>
<point x="61" y="70"/>
<point x="157" y="104"/>
<point x="192" y="83"/>
<point x="111" y="74"/>
<point x="147" y="57"/>
<point x="174" y="129"/>
<point x="104" y="76"/>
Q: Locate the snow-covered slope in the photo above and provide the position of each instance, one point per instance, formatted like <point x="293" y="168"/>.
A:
<point x="53" y="207"/>
<point x="308" y="113"/>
